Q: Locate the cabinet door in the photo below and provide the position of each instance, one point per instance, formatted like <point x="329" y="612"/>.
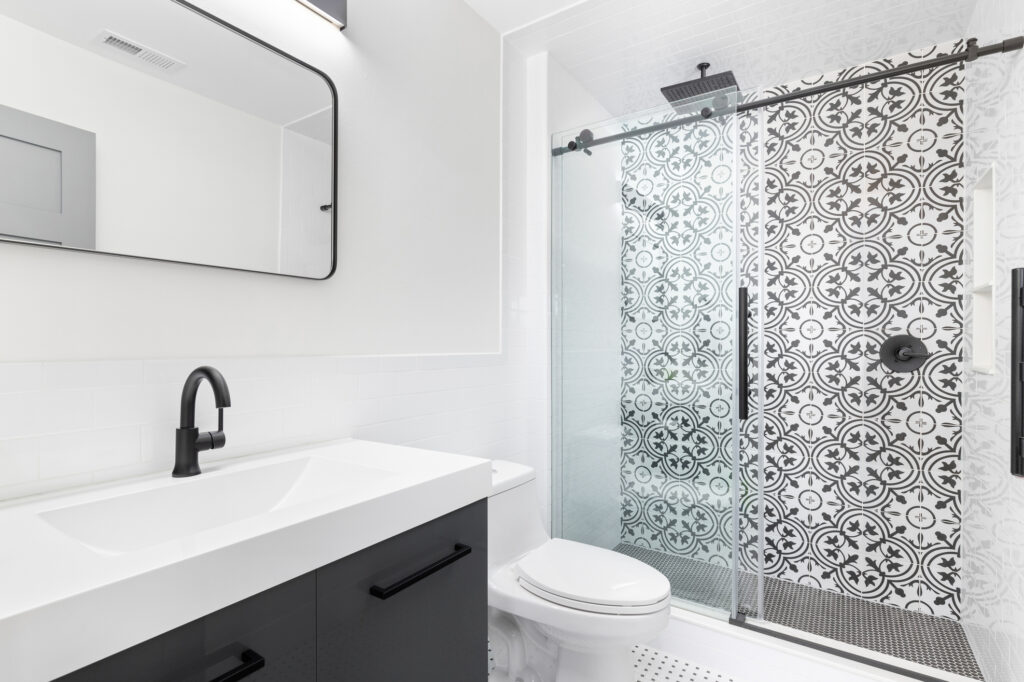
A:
<point x="269" y="637"/>
<point x="430" y="630"/>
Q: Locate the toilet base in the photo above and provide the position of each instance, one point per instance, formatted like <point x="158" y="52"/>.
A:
<point x="608" y="665"/>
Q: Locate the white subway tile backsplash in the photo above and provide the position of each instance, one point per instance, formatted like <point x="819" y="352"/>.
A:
<point x="92" y="374"/>
<point x="376" y="384"/>
<point x="248" y="429"/>
<point x="18" y="412"/>
<point x="20" y="377"/>
<point x="267" y="393"/>
<point x="365" y="364"/>
<point x="168" y="371"/>
<point x="126" y="405"/>
<point x="71" y="424"/>
<point x="72" y="453"/>
<point x="19" y="461"/>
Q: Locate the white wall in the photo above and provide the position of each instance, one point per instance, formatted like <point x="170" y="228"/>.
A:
<point x="305" y="230"/>
<point x="418" y="216"/>
<point x="163" y="188"/>
<point x="507" y="16"/>
<point x="993" y="500"/>
<point x="64" y="424"/>
<point x="588" y="224"/>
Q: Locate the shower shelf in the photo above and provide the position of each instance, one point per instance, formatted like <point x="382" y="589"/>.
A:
<point x="982" y="304"/>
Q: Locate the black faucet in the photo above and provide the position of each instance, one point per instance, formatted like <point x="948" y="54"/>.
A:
<point x="188" y="442"/>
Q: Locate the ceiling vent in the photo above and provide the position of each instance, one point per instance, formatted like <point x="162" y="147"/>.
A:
<point x="139" y="53"/>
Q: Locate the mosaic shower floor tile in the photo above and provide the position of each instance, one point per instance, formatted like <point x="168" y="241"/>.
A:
<point x="928" y="640"/>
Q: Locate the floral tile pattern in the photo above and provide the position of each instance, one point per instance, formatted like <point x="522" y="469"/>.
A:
<point x="678" y="339"/>
<point x="850" y="216"/>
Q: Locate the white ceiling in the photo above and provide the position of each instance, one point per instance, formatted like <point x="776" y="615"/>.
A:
<point x="220" y="64"/>
<point x="624" y="51"/>
<point x="509" y="15"/>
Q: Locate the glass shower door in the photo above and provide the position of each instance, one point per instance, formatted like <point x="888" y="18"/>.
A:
<point x="646" y="380"/>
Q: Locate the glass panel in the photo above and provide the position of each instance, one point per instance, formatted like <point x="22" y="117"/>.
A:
<point x="645" y="280"/>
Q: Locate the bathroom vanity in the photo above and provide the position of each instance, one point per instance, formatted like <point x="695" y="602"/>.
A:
<point x="326" y="624"/>
<point x="274" y="569"/>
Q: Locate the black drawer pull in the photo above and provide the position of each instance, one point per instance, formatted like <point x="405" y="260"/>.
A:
<point x="251" y="662"/>
<point x="393" y="589"/>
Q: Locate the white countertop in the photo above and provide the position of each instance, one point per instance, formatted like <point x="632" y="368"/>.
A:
<point x="65" y="603"/>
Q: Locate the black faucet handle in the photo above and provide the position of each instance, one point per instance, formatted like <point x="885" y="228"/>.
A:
<point x="210" y="440"/>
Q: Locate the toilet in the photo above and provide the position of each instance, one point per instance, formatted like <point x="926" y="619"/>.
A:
<point x="561" y="611"/>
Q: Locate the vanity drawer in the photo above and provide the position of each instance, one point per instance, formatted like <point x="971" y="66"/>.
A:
<point x="277" y="626"/>
<point x="424" y="625"/>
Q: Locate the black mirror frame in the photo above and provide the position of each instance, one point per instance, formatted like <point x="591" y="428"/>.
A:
<point x="334" y="167"/>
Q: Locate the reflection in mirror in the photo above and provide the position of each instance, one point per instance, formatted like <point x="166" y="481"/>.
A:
<point x="147" y="128"/>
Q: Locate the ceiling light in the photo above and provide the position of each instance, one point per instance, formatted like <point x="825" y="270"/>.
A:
<point x="334" y="11"/>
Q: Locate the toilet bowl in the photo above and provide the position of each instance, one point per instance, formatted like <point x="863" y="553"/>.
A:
<point x="581" y="607"/>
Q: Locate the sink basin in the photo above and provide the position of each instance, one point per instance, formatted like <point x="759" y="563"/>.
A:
<point x="185" y="507"/>
<point x="153" y="553"/>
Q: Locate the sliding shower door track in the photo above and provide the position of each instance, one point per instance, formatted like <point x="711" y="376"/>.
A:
<point x="969" y="55"/>
<point x="848" y="651"/>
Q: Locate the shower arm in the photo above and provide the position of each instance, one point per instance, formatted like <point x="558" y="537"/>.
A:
<point x="968" y="55"/>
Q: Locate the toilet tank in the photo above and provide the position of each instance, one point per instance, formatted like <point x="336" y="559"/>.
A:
<point x="514" y="524"/>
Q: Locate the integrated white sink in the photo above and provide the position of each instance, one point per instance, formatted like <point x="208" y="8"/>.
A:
<point x="104" y="568"/>
<point x="185" y="507"/>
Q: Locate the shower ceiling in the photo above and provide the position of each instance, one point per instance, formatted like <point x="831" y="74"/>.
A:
<point x="624" y="51"/>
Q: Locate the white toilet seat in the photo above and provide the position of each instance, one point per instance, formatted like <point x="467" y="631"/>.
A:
<point x="592" y="579"/>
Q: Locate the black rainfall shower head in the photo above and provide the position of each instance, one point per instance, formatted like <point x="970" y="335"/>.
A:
<point x="680" y="93"/>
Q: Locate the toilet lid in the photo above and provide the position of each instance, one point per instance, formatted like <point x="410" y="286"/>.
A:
<point x="579" y="575"/>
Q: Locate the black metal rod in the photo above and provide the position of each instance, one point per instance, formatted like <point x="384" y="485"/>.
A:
<point x="743" y="351"/>
<point x="251" y="662"/>
<point x="1017" y="373"/>
<point x="395" y="588"/>
<point x="970" y="54"/>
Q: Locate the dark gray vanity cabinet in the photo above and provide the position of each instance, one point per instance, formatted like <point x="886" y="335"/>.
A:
<point x="276" y="628"/>
<point x="430" y="630"/>
<point x="431" y="625"/>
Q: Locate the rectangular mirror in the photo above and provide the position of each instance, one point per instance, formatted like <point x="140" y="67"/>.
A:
<point x="149" y="128"/>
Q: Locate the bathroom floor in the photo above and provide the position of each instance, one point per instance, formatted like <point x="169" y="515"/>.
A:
<point x="936" y="642"/>
<point x="656" y="666"/>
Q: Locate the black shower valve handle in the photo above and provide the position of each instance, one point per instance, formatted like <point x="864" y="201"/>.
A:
<point x="907" y="353"/>
<point x="903" y="353"/>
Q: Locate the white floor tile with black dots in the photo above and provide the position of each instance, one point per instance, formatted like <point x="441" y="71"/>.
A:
<point x="656" y="666"/>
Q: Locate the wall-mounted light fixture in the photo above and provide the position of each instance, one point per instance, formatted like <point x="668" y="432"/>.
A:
<point x="334" y="11"/>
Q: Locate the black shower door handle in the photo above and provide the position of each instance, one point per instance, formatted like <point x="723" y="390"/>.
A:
<point x="742" y="351"/>
<point x="1017" y="372"/>
<point x="410" y="580"/>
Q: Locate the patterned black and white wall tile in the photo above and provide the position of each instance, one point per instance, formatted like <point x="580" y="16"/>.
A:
<point x="849" y="208"/>
<point x="678" y="336"/>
